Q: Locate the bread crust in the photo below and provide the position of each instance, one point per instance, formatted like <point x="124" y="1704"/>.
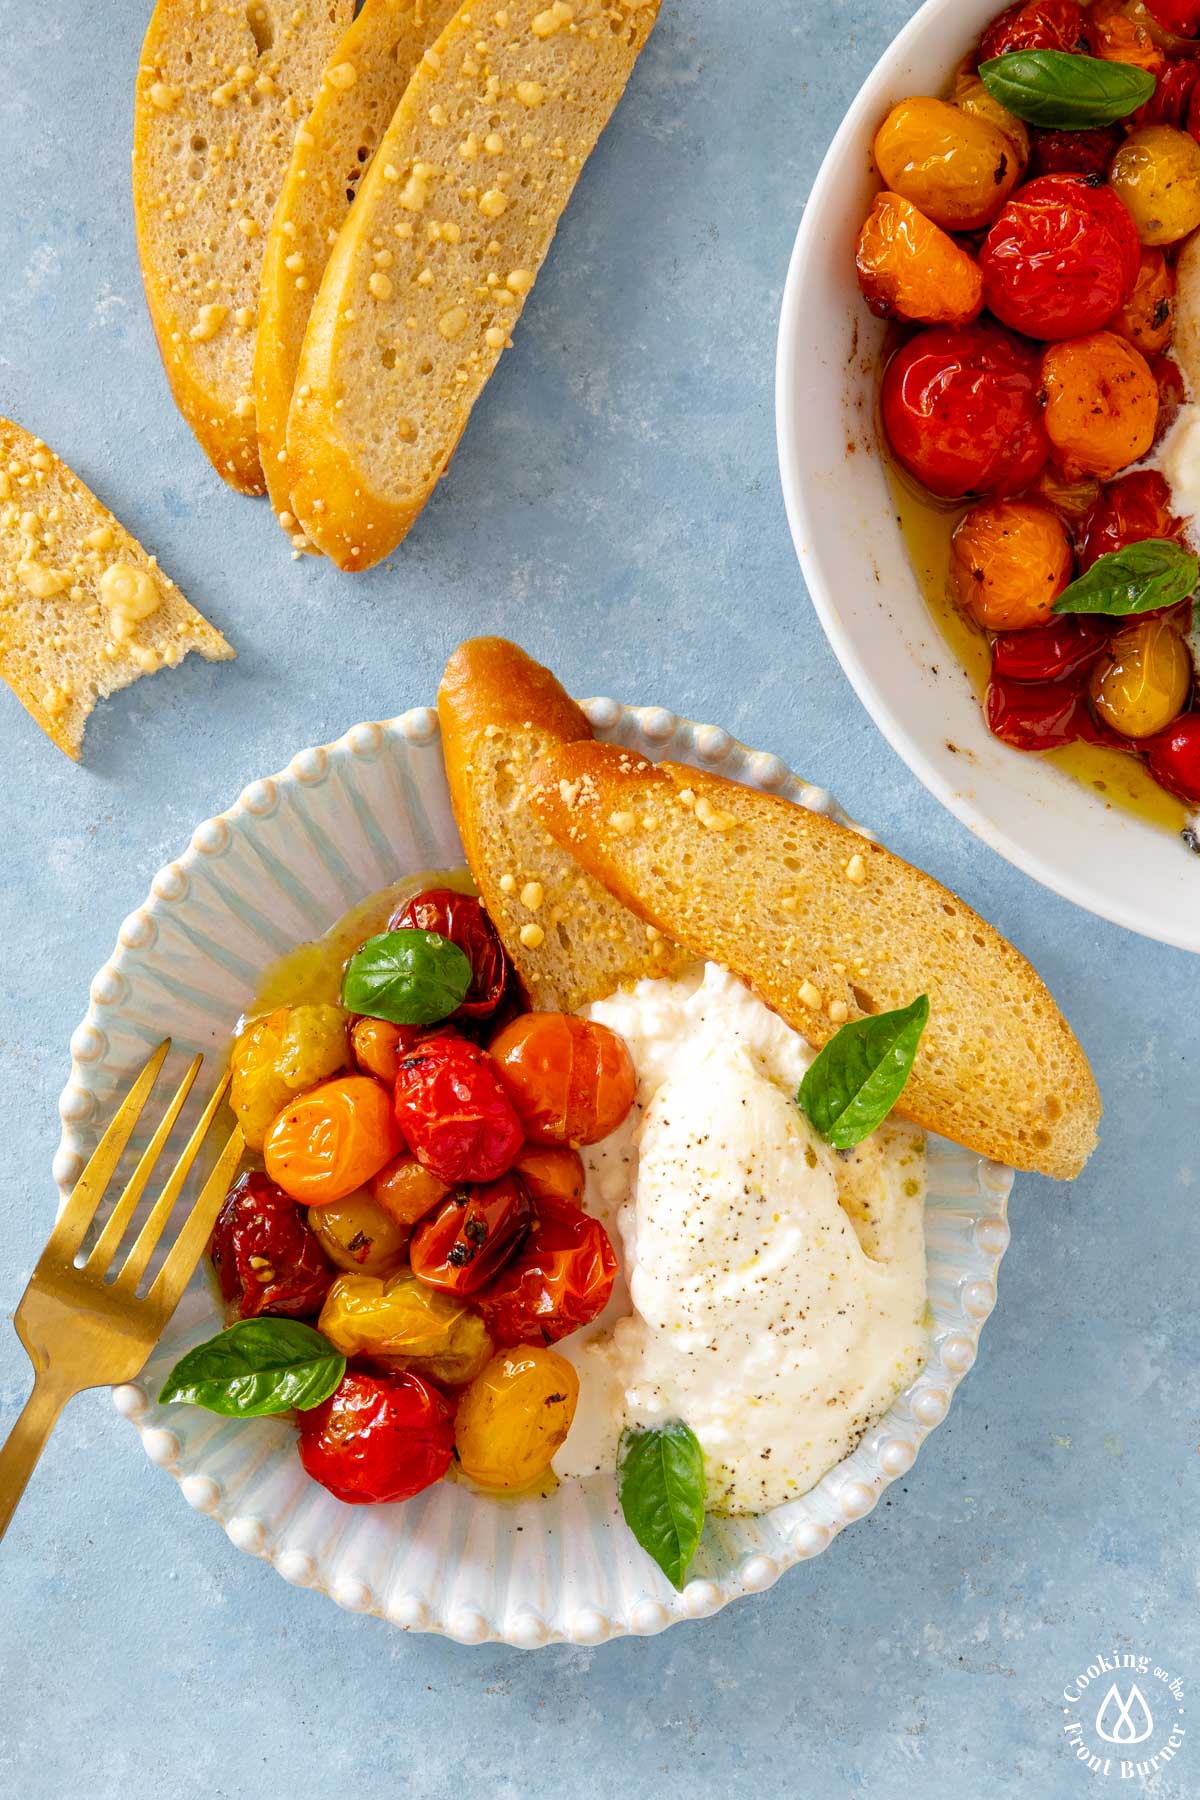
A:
<point x="705" y="860"/>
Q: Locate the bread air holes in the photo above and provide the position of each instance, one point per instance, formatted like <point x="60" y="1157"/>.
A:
<point x="866" y="1003"/>
<point x="387" y="356"/>
<point x="262" y="26"/>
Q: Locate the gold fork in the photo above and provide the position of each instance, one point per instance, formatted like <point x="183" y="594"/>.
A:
<point x="81" y="1331"/>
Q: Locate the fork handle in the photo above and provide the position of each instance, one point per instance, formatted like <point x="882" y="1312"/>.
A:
<point x="26" y="1441"/>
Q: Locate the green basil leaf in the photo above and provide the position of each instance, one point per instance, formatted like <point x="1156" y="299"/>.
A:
<point x="257" y="1366"/>
<point x="660" y="1479"/>
<point x="860" y="1074"/>
<point x="1065" y="92"/>
<point x="407" y="977"/>
<point x="1138" y="579"/>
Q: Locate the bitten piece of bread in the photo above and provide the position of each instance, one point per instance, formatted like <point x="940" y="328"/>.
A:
<point x="824" y="927"/>
<point x="464" y="196"/>
<point x="360" y="89"/>
<point x="220" y="91"/>
<point x="84" y="610"/>
<point x="570" y="941"/>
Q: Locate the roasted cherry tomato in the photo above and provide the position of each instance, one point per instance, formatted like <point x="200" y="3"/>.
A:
<point x="332" y="1140"/>
<point x="379" y="1437"/>
<point x="1172" y="394"/>
<point x="266" y="1257"/>
<point x="551" y="1172"/>
<point x="405" y="1325"/>
<point x="357" y="1234"/>
<point x="1171" y="101"/>
<point x="1074" y="152"/>
<point x="1101" y="404"/>
<point x="1179" y="16"/>
<point x="407" y="1190"/>
<point x="1050" y="652"/>
<point x="971" y="96"/>
<point x="1037" y="25"/>
<point x="454" y="1112"/>
<point x="1173" y="758"/>
<point x="956" y="167"/>
<point x="461" y="918"/>
<point x="470" y="1237"/>
<point x="1009" y="562"/>
<point x="910" y="269"/>
<point x="377" y="1045"/>
<point x="1119" y="35"/>
<point x="559" y="1281"/>
<point x="514" y="1416"/>
<point x="1128" y="510"/>
<point x="1062" y="257"/>
<point x="1141" y="682"/>
<point x="1073" y="499"/>
<point x="280" y="1055"/>
<point x="1156" y="173"/>
<point x="571" y="1081"/>
<point x="1147" y="318"/>
<point x="1038" y="715"/>
<point x="962" y="410"/>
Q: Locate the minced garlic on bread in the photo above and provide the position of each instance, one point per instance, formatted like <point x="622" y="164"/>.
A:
<point x="221" y="88"/>
<point x="825" y="926"/>
<point x="570" y="940"/>
<point x="84" y="610"/>
<point x="360" y="89"/>
<point x="460" y="203"/>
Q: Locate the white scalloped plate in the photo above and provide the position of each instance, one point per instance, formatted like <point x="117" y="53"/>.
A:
<point x="294" y="853"/>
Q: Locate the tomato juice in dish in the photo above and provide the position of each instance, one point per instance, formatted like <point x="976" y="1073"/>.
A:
<point x="1030" y="244"/>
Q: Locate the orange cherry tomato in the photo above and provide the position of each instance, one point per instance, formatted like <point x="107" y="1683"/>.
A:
<point x="332" y="1140"/>
<point x="570" y="1081"/>
<point x="407" y="1190"/>
<point x="1147" y="318"/>
<point x="472" y="1235"/>
<point x="377" y="1044"/>
<point x="1009" y="562"/>
<point x="551" y="1172"/>
<point x="909" y="268"/>
<point x="1101" y="404"/>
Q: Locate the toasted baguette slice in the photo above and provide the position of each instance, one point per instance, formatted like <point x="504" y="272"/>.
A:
<point x="429" y="275"/>
<point x="825" y="926"/>
<point x="220" y="90"/>
<point x="360" y="90"/>
<point x="570" y="940"/>
<point x="59" y="652"/>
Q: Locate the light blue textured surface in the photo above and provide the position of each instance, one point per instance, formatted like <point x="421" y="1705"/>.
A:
<point x="615" y="507"/>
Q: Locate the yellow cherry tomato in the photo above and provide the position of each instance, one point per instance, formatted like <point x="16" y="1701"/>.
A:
<point x="514" y="1416"/>
<point x="330" y="1141"/>
<point x="407" y="1325"/>
<point x="280" y="1055"/>
<point x="1141" y="682"/>
<point x="357" y="1234"/>
<point x="1156" y="172"/>
<point x="970" y="96"/>
<point x="954" y="166"/>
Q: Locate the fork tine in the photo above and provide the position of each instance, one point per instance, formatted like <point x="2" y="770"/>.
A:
<point x="142" y="1249"/>
<point x="176" y="1272"/>
<point x="117" y="1222"/>
<point x="85" y="1196"/>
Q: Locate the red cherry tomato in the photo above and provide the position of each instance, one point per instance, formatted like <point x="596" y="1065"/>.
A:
<point x="1061" y="258"/>
<point x="1039" y="715"/>
<point x="470" y="1237"/>
<point x="1171" y="101"/>
<point x="454" y="1112"/>
<point x="330" y="1141"/>
<point x="962" y="412"/>
<point x="1128" y="510"/>
<point x="266" y="1256"/>
<point x="559" y="1281"/>
<point x="1037" y="25"/>
<point x="1180" y="16"/>
<point x="1073" y="152"/>
<point x="462" y="919"/>
<point x="571" y="1081"/>
<point x="1172" y="394"/>
<point x="379" y="1437"/>
<point x="1065" y="646"/>
<point x="1173" y="758"/>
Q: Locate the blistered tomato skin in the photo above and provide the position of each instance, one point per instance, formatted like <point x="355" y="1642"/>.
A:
<point x="1147" y="318"/>
<point x="1180" y="16"/>
<point x="1009" y="562"/>
<point x="461" y="918"/>
<point x="560" y="1280"/>
<point x="405" y="1325"/>
<point x="406" y="1190"/>
<point x="1061" y="259"/>
<point x="1172" y="394"/>
<point x="379" y="1437"/>
<point x="266" y="1258"/>
<point x="1038" y="25"/>
<point x="454" y="1112"/>
<point x="1040" y="715"/>
<point x="1171" y="101"/>
<point x="1119" y="36"/>
<point x="1101" y="404"/>
<point x="551" y="1172"/>
<point x="571" y="1081"/>
<point x="955" y="167"/>
<point x="1156" y="173"/>
<point x="971" y="96"/>
<point x="1173" y="758"/>
<point x="1127" y="511"/>
<point x="1141" y="682"/>
<point x="1066" y="646"/>
<point x="514" y="1416"/>
<point x="1071" y="499"/>
<point x="356" y="1234"/>
<point x="909" y="269"/>
<point x="377" y="1044"/>
<point x="280" y="1055"/>
<point x="467" y="1241"/>
<point x="1073" y="152"/>
<point x="962" y="411"/>
<point x="330" y="1141"/>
